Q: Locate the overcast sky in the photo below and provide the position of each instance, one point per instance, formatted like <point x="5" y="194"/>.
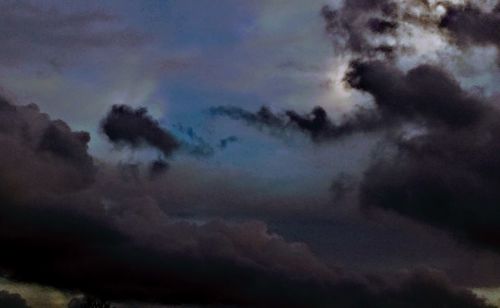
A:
<point x="320" y="153"/>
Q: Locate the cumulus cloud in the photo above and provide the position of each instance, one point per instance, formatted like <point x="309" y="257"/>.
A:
<point x="353" y="26"/>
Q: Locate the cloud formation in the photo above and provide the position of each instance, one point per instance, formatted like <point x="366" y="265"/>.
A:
<point x="353" y="26"/>
<point x="97" y="236"/>
<point x="135" y="128"/>
<point x="133" y="232"/>
<point x="440" y="168"/>
<point x="317" y="124"/>
<point x="470" y="25"/>
<point x="446" y="174"/>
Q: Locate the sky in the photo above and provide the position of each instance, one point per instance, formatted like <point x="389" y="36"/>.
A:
<point x="268" y="153"/>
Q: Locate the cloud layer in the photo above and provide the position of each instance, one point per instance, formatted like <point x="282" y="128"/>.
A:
<point x="179" y="230"/>
<point x="89" y="235"/>
<point x="440" y="168"/>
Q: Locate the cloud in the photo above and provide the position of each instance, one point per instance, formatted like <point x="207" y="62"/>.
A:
<point x="98" y="236"/>
<point x="438" y="165"/>
<point x="264" y="117"/>
<point x="103" y="230"/>
<point x="424" y="94"/>
<point x="353" y="26"/>
<point x="101" y="235"/>
<point x="440" y="168"/>
<point x="443" y="173"/>
<point x="469" y="25"/>
<point x="317" y="124"/>
<point x="135" y="128"/>
<point x="126" y="126"/>
<point x="12" y="300"/>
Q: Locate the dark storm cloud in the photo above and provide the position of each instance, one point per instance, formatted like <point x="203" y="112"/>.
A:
<point x="441" y="168"/>
<point x="126" y="126"/>
<point x="316" y="124"/>
<point x="96" y="238"/>
<point x="12" y="300"/>
<point x="27" y="134"/>
<point x="446" y="178"/>
<point x="426" y="289"/>
<point x="425" y="94"/>
<point x="108" y="238"/>
<point x="135" y="128"/>
<point x="446" y="175"/>
<point x="469" y="25"/>
<point x="34" y="33"/>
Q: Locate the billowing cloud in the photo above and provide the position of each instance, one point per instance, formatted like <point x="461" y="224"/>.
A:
<point x="444" y="171"/>
<point x="425" y="94"/>
<point x="440" y="166"/>
<point x="51" y="206"/>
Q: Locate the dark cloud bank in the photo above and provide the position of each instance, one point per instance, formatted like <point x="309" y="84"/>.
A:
<point x="12" y="300"/>
<point x="441" y="167"/>
<point x="74" y="223"/>
<point x="67" y="221"/>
